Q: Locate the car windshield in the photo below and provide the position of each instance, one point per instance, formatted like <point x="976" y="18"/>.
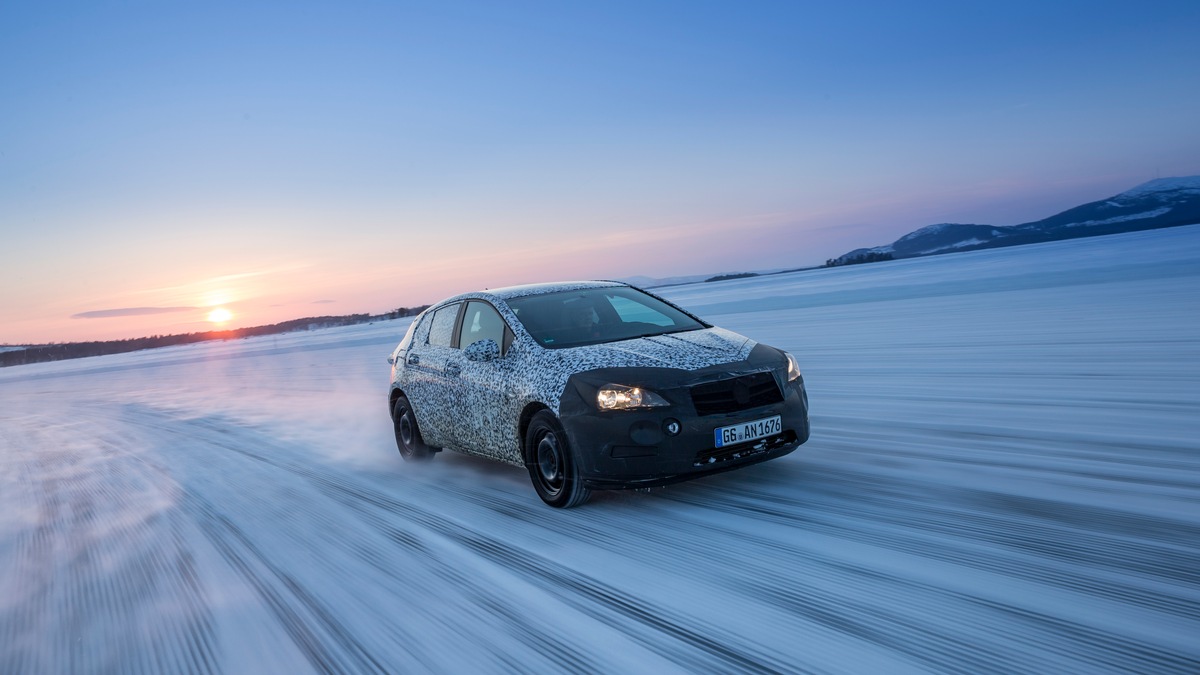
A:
<point x="595" y="315"/>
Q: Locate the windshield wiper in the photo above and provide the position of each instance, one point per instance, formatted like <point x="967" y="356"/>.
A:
<point x="664" y="332"/>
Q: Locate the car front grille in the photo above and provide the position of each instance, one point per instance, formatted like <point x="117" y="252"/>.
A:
<point x="736" y="393"/>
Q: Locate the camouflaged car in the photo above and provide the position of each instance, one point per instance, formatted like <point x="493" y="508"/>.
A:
<point x="591" y="385"/>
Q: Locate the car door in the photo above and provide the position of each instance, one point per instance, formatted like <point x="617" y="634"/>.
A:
<point x="431" y="379"/>
<point x="484" y="385"/>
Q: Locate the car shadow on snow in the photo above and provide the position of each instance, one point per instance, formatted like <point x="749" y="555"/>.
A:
<point x="487" y="480"/>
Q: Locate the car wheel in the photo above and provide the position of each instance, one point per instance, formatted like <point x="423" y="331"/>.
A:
<point x="552" y="464"/>
<point x="408" y="437"/>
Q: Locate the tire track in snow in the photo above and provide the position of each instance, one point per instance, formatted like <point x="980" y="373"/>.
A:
<point x="897" y="516"/>
<point x="651" y="623"/>
<point x="327" y="644"/>
<point x="99" y="553"/>
<point x="311" y="626"/>
<point x="899" y="522"/>
<point x="1000" y="533"/>
<point x="601" y="601"/>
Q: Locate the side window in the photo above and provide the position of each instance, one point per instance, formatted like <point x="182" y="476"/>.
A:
<point x="635" y="312"/>
<point x="408" y="334"/>
<point x="421" y="335"/>
<point x="441" y="329"/>
<point x="481" y="322"/>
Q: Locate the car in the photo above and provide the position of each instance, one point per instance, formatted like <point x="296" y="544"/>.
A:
<point x="591" y="385"/>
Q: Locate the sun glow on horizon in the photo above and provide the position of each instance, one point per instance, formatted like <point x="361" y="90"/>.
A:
<point x="220" y="315"/>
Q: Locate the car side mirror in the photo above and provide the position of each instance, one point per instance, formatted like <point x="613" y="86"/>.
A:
<point x="391" y="360"/>
<point x="483" y="350"/>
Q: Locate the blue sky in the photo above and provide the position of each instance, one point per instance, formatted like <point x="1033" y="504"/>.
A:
<point x="294" y="159"/>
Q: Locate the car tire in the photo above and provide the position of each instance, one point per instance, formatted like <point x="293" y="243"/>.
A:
<point x="408" y="436"/>
<point x="551" y="463"/>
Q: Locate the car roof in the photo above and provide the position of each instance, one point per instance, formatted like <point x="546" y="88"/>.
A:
<point x="510" y="292"/>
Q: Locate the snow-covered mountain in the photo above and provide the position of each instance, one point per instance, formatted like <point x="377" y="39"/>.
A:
<point x="1166" y="202"/>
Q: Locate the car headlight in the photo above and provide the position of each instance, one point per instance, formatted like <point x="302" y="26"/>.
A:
<point x="621" y="397"/>
<point x="793" y="367"/>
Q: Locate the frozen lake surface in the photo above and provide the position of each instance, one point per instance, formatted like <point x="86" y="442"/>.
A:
<point x="1004" y="476"/>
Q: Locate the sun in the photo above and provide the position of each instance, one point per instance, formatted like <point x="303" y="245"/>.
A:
<point x="220" y="315"/>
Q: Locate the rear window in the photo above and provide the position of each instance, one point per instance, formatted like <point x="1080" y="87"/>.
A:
<point x="597" y="315"/>
<point x="441" y="331"/>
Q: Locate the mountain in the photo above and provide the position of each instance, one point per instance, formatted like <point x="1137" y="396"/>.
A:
<point x="1166" y="202"/>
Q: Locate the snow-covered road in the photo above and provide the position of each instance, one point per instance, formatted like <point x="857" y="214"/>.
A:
<point x="1004" y="475"/>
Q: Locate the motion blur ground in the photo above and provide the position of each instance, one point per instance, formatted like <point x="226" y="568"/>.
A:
<point x="1002" y="476"/>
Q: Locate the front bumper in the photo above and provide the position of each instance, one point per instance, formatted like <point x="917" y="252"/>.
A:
<point x="632" y="449"/>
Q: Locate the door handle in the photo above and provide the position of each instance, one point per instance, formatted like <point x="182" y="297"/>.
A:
<point x="414" y="359"/>
<point x="453" y="369"/>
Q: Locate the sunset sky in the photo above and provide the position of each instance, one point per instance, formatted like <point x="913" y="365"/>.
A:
<point x="159" y="160"/>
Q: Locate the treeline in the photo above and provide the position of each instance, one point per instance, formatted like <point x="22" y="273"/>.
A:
<point x="75" y="350"/>
<point x="873" y="256"/>
<point x="727" y="277"/>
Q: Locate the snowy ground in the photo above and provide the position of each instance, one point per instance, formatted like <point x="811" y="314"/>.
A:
<point x="1003" y="476"/>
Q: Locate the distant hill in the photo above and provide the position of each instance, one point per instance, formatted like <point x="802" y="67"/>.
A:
<point x="1166" y="202"/>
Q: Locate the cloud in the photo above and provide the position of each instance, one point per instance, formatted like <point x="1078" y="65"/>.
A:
<point x="323" y="302"/>
<point x="206" y="284"/>
<point x="129" y="311"/>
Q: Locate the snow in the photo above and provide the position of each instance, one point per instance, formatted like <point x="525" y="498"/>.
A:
<point x="1122" y="219"/>
<point x="1003" y="477"/>
<point x="925" y="231"/>
<point x="958" y="244"/>
<point x="1189" y="183"/>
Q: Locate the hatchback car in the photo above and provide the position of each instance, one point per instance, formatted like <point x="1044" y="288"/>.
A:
<point x="591" y="385"/>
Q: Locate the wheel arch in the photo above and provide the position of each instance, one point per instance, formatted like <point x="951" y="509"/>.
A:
<point x="523" y="425"/>
<point x="396" y="393"/>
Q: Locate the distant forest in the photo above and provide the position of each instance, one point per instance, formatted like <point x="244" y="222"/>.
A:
<point x="75" y="350"/>
<point x="873" y="256"/>
<point x="728" y="277"/>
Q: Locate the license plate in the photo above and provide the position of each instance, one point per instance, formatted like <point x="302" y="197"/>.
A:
<point x="748" y="431"/>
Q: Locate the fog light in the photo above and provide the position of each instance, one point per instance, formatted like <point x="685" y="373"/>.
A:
<point x="672" y="427"/>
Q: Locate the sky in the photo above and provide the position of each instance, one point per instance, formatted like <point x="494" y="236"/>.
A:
<point x="159" y="160"/>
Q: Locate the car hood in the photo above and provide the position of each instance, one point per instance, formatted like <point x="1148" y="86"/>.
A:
<point x="688" y="351"/>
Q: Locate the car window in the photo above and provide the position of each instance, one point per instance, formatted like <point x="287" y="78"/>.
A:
<point x="596" y="315"/>
<point x="408" y="334"/>
<point x="421" y="335"/>
<point x="481" y="322"/>
<point x="441" y="329"/>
